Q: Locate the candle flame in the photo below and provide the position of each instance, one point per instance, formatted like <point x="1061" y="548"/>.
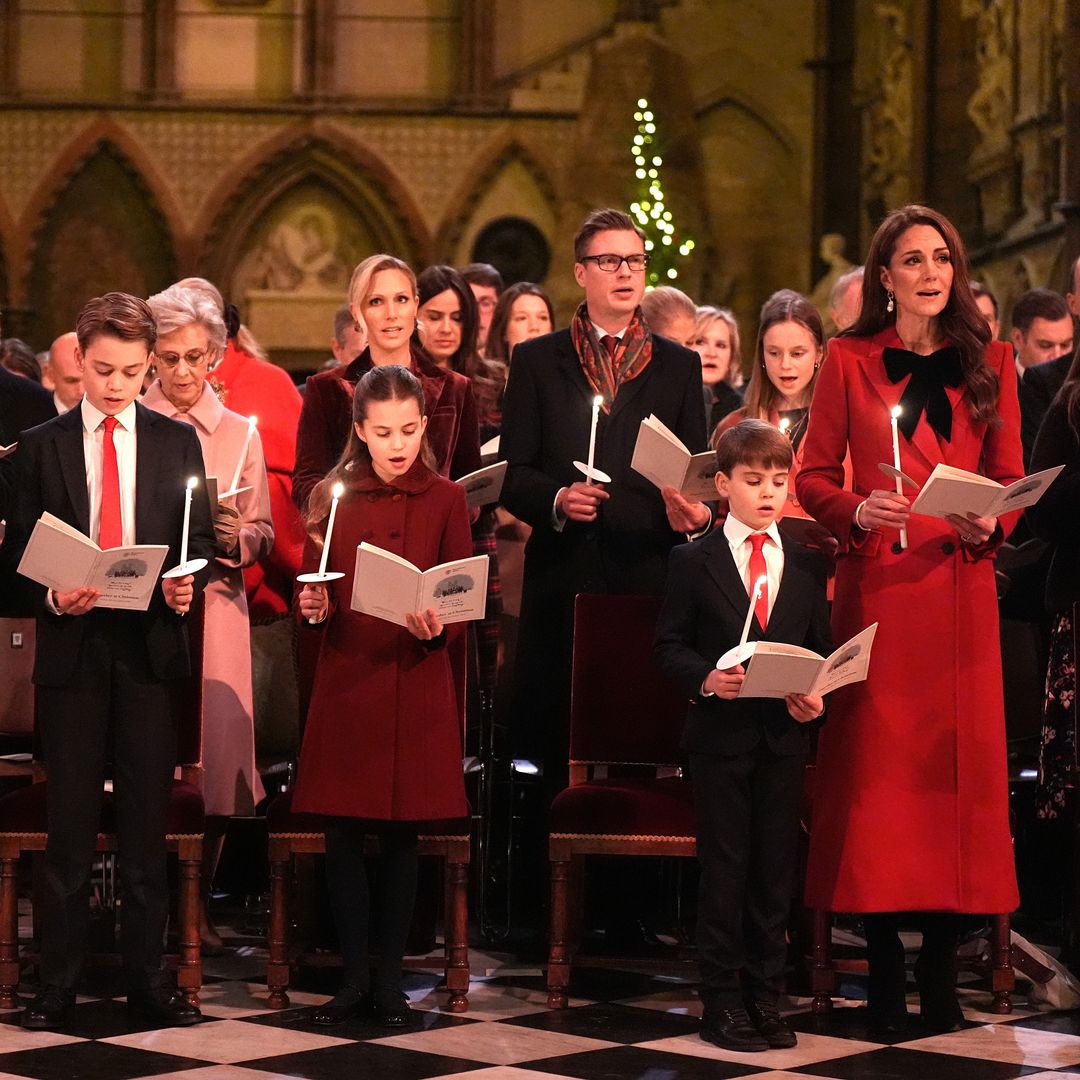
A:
<point x="598" y="401"/>
<point x="193" y="482"/>
<point x="759" y="585"/>
<point x="784" y="425"/>
<point x="252" y="421"/>
<point x="896" y="412"/>
<point x="338" y="490"/>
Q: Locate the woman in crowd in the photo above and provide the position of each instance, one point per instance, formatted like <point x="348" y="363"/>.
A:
<point x="382" y="746"/>
<point x="383" y="298"/>
<point x="191" y="338"/>
<point x="1056" y="518"/>
<point x="911" y="811"/>
<point x="716" y="341"/>
<point x="524" y="311"/>
<point x="670" y="313"/>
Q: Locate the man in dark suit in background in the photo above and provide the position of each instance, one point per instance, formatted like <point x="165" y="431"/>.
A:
<point x="23" y="404"/>
<point x="591" y="538"/>
<point x="109" y="682"/>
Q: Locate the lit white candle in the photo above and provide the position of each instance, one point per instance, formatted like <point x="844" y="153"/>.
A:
<point x="243" y="454"/>
<point x="896" y="410"/>
<point x="596" y="403"/>
<point x="758" y="586"/>
<point x="192" y="484"/>
<point x="338" y="490"/>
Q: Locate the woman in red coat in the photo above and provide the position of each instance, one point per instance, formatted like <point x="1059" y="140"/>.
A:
<point x="382" y="746"/>
<point x="911" y="811"/>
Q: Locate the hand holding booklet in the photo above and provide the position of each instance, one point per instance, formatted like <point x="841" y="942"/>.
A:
<point x="776" y="669"/>
<point x="660" y="456"/>
<point x="956" y="491"/>
<point x="60" y="557"/>
<point x="387" y="586"/>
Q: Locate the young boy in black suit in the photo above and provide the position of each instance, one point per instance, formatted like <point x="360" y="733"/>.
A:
<point x="109" y="683"/>
<point x="746" y="757"/>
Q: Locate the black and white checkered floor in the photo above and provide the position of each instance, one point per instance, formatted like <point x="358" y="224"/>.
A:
<point x="621" y="1023"/>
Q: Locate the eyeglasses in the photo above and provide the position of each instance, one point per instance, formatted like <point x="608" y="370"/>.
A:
<point x="610" y="263"/>
<point x="192" y="359"/>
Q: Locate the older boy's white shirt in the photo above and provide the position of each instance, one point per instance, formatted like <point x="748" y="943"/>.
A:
<point x="93" y="420"/>
<point x="738" y="536"/>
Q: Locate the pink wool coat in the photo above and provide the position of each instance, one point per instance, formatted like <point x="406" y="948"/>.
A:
<point x="231" y="783"/>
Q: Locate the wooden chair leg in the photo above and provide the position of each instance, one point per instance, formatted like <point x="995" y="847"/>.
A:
<point x="1002" y="978"/>
<point x="189" y="971"/>
<point x="9" y="933"/>
<point x="277" y="965"/>
<point x="822" y="975"/>
<point x="558" y="974"/>
<point x="456" y="931"/>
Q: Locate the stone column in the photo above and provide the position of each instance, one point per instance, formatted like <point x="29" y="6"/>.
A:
<point x="159" y="50"/>
<point x="9" y="49"/>
<point x="476" y="52"/>
<point x="318" y="50"/>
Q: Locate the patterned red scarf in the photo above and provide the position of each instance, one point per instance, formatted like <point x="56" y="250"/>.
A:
<point x="607" y="373"/>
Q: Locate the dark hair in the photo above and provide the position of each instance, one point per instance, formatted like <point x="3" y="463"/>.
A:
<point x="783" y="306"/>
<point x="753" y="442"/>
<point x="118" y="315"/>
<point x="979" y="290"/>
<point x="19" y="358"/>
<point x="343" y="319"/>
<point x="602" y="221"/>
<point x="497" y="348"/>
<point x="437" y="279"/>
<point x="960" y="322"/>
<point x="483" y="274"/>
<point x="1038" y="304"/>
<point x="385" y="382"/>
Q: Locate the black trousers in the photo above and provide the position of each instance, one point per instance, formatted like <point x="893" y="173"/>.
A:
<point x="113" y="709"/>
<point x="748" y="826"/>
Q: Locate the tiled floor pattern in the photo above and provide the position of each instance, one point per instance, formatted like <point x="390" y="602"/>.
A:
<point x="626" y="1024"/>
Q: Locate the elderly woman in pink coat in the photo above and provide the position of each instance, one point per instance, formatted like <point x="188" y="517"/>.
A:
<point x="191" y="337"/>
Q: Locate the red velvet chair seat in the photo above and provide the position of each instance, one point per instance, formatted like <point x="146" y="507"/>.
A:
<point x="282" y="820"/>
<point x="23" y="811"/>
<point x="625" y="807"/>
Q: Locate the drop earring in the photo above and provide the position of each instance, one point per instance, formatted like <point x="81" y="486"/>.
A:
<point x="891" y="305"/>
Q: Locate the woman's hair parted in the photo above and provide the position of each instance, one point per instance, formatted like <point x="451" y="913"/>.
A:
<point x="783" y="306"/>
<point x="438" y="279"/>
<point x="961" y="323"/>
<point x="387" y="382"/>
<point x="497" y="347"/>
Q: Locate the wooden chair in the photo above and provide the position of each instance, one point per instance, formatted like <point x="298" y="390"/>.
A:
<point x="823" y="968"/>
<point x="302" y="834"/>
<point x="23" y="827"/>
<point x="627" y="795"/>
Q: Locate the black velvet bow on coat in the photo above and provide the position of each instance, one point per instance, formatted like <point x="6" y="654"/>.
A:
<point x="925" y="391"/>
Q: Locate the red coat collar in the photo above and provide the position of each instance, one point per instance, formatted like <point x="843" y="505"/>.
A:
<point x="361" y="477"/>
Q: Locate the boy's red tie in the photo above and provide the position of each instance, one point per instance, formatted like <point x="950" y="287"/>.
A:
<point x="758" y="570"/>
<point x="111" y="529"/>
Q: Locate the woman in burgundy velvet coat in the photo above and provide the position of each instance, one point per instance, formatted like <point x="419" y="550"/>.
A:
<point x="911" y="810"/>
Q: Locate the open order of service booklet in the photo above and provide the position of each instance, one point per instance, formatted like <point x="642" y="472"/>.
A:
<point x="776" y="669"/>
<point x="388" y="586"/>
<point x="660" y="456"/>
<point x="483" y="487"/>
<point x="60" y="557"/>
<point x="956" y="491"/>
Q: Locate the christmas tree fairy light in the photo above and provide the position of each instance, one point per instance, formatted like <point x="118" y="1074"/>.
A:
<point x="667" y="246"/>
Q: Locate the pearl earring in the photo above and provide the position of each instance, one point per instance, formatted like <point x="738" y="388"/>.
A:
<point x="890" y="306"/>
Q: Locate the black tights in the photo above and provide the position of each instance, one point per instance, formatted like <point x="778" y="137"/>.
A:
<point x="350" y="902"/>
<point x="936" y="966"/>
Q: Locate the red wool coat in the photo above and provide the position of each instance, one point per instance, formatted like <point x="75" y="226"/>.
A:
<point x="911" y="802"/>
<point x="383" y="735"/>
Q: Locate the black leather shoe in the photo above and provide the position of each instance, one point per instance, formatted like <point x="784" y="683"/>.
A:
<point x="939" y="1008"/>
<point x="391" y="1009"/>
<point x="732" y="1029"/>
<point x="887" y="1022"/>
<point x="348" y="1003"/>
<point x="49" y="1010"/>
<point x="165" y="1006"/>
<point x="772" y="1027"/>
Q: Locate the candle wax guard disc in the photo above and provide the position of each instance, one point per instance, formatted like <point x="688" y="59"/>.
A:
<point x="599" y="476"/>
<point x="737" y="655"/>
<point x="892" y="473"/>
<point x="316" y="579"/>
<point x="192" y="566"/>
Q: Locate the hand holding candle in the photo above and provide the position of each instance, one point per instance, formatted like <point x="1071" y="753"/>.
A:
<point x="323" y="576"/>
<point x="243" y="454"/>
<point x="184" y="568"/>
<point x="895" y="414"/>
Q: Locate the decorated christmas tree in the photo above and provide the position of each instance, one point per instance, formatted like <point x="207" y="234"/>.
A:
<point x="667" y="246"/>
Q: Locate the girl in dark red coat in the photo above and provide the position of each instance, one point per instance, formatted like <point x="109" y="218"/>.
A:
<point x="382" y="746"/>
<point x="911" y="812"/>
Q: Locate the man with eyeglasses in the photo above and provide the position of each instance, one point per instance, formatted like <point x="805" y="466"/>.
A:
<point x="613" y="537"/>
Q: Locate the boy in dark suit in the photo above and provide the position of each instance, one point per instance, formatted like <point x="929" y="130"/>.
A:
<point x="746" y="757"/>
<point x="109" y="682"/>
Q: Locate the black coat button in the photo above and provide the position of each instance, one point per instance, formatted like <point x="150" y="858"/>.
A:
<point x="948" y="548"/>
<point x="896" y="548"/>
<point x="394" y="534"/>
